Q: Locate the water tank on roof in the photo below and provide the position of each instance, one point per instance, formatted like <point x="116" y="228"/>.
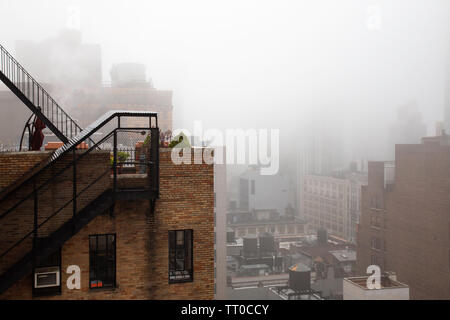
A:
<point x="300" y="277"/>
<point x="266" y="243"/>
<point x="250" y="246"/>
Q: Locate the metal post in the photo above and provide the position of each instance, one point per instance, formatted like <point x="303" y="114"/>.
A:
<point x="74" y="184"/>
<point x="114" y="172"/>
<point x="115" y="162"/>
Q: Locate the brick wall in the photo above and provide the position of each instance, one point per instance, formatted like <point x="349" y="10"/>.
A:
<point x="186" y="202"/>
<point x="372" y="196"/>
<point x="51" y="197"/>
<point x="14" y="165"/>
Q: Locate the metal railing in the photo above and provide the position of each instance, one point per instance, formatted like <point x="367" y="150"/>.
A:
<point x="20" y="81"/>
<point x="26" y="208"/>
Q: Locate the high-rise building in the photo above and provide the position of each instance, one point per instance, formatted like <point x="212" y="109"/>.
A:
<point x="408" y="128"/>
<point x="404" y="224"/>
<point x="62" y="61"/>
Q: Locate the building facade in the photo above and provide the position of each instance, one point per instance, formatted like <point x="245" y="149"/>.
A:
<point x="263" y="192"/>
<point x="280" y="229"/>
<point x="332" y="203"/>
<point x="404" y="224"/>
<point x="127" y="253"/>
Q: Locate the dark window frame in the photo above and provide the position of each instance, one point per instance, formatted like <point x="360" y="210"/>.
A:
<point x="91" y="254"/>
<point x="173" y="251"/>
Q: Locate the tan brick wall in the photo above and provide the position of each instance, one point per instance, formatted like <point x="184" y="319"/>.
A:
<point x="51" y="197"/>
<point x="14" y="165"/>
<point x="186" y="202"/>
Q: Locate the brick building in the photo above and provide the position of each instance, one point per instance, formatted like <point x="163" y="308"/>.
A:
<point x="141" y="238"/>
<point x="107" y="214"/>
<point x="404" y="224"/>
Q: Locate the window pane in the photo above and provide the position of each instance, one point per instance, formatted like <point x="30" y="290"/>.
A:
<point x="101" y="242"/>
<point x="92" y="243"/>
<point x="180" y="264"/>
<point x="189" y="250"/>
<point x="180" y="238"/>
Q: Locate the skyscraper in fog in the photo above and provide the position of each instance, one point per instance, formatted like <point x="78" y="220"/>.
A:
<point x="62" y="61"/>
<point x="409" y="127"/>
<point x="322" y="153"/>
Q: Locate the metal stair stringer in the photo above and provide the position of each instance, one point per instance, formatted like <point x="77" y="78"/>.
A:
<point x="24" y="266"/>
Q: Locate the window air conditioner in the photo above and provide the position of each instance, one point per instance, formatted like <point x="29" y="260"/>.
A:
<point x="46" y="277"/>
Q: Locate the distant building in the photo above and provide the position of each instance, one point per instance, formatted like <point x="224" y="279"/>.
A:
<point x="129" y="90"/>
<point x="71" y="72"/>
<point x="404" y="225"/>
<point x="279" y="228"/>
<point x="263" y="192"/>
<point x="408" y="128"/>
<point x="332" y="203"/>
<point x="440" y="130"/>
<point x="355" y="288"/>
<point x="62" y="61"/>
<point x="14" y="116"/>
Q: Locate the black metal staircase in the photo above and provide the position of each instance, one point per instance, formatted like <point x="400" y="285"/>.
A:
<point x="25" y="216"/>
<point x="36" y="98"/>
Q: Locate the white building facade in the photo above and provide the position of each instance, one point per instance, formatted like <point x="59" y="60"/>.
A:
<point x="332" y="203"/>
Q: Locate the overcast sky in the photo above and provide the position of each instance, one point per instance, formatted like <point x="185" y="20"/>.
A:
<point x="346" y="63"/>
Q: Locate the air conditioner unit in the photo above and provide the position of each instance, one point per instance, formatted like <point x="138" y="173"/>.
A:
<point x="46" y="277"/>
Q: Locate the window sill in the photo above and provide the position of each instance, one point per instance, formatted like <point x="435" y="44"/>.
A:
<point x="180" y="281"/>
<point x="103" y="289"/>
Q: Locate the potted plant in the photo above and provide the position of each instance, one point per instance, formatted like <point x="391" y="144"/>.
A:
<point x="121" y="158"/>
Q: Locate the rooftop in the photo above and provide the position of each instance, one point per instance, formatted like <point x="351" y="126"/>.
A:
<point x="386" y="282"/>
<point x="344" y="255"/>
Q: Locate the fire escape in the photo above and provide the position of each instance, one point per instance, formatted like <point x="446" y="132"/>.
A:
<point x="37" y="218"/>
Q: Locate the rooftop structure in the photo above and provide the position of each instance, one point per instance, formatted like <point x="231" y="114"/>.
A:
<point x="355" y="288"/>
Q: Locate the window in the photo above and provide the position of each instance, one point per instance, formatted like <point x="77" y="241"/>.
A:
<point x="180" y="256"/>
<point x="102" y="261"/>
<point x="373" y="260"/>
<point x="376" y="243"/>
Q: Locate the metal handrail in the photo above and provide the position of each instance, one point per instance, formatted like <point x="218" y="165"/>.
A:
<point x="52" y="215"/>
<point x="17" y="74"/>
<point x="71" y="146"/>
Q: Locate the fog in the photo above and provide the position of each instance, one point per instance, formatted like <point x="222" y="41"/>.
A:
<point x="305" y="67"/>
